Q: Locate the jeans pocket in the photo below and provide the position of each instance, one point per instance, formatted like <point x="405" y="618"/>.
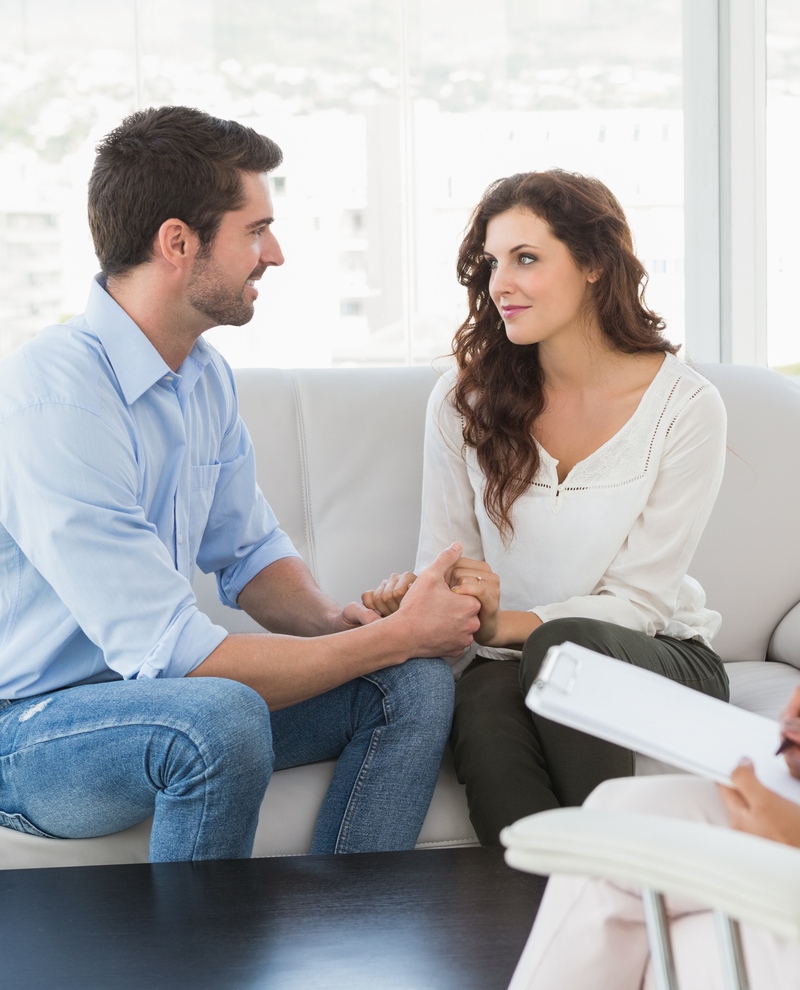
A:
<point x="21" y="824"/>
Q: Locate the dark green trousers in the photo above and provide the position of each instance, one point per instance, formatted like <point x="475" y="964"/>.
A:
<point x="514" y="762"/>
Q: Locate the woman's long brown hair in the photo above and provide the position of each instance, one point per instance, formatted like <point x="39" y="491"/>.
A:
<point x="499" y="390"/>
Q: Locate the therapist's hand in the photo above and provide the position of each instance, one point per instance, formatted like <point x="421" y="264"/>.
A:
<point x="790" y="731"/>
<point x="755" y="809"/>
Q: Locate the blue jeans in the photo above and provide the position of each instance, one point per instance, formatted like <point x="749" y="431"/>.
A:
<point x="198" y="753"/>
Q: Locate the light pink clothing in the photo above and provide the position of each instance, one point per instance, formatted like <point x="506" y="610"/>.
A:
<point x="590" y="934"/>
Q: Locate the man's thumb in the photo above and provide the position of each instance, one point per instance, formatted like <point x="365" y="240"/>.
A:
<point x="447" y="559"/>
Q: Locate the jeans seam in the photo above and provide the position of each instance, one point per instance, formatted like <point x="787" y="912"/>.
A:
<point x="363" y="773"/>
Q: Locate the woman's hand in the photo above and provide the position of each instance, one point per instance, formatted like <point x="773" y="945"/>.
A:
<point x="790" y="733"/>
<point x="476" y="578"/>
<point x="386" y="598"/>
<point x="755" y="809"/>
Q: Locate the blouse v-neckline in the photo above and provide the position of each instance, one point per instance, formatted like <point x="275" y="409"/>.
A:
<point x="606" y="445"/>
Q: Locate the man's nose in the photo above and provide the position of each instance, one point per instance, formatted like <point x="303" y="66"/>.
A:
<point x="271" y="253"/>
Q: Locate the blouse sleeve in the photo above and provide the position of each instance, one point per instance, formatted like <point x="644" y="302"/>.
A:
<point x="640" y="589"/>
<point x="447" y="495"/>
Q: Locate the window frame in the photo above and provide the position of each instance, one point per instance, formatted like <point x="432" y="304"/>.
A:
<point x="725" y="180"/>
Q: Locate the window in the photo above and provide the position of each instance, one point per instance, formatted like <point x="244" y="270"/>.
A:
<point x="782" y="194"/>
<point x="390" y="136"/>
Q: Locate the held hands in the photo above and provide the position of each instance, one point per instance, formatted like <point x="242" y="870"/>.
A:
<point x="755" y="809"/>
<point x="476" y="578"/>
<point x="443" y="623"/>
<point x="440" y="623"/>
<point x="473" y="578"/>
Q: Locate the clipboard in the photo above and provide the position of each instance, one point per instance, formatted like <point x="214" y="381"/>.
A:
<point x="653" y="715"/>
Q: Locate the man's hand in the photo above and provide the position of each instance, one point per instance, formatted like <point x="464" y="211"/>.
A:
<point x="442" y="623"/>
<point x="352" y="616"/>
<point x="755" y="809"/>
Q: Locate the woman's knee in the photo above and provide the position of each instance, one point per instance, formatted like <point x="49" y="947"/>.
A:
<point x="590" y="633"/>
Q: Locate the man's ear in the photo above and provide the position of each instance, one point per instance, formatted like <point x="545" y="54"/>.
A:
<point x="176" y="242"/>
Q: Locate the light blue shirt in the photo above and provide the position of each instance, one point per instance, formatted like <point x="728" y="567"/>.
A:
<point x="117" y="477"/>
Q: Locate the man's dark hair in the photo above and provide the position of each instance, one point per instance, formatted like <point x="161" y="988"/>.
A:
<point x="168" y="162"/>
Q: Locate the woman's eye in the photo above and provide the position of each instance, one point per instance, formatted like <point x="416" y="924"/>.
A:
<point x="491" y="262"/>
<point x="526" y="259"/>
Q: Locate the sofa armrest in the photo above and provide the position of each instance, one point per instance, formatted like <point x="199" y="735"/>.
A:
<point x="785" y="642"/>
<point x="750" y="879"/>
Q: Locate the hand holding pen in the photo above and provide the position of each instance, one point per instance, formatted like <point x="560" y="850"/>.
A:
<point x="790" y="734"/>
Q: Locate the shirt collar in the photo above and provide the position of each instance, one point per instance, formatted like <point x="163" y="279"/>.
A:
<point x="135" y="362"/>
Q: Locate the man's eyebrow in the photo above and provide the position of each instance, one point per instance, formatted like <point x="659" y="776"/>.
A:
<point x="264" y="222"/>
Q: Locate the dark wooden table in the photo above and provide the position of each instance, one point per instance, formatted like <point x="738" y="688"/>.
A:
<point x="427" y="920"/>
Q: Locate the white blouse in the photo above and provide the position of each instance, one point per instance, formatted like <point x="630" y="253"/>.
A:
<point x="613" y="540"/>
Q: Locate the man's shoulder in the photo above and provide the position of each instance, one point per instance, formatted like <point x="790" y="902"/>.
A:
<point x="62" y="365"/>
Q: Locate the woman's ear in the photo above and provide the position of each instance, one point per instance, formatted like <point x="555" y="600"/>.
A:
<point x="593" y="276"/>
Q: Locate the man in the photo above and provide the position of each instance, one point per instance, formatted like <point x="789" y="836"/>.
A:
<point x="123" y="464"/>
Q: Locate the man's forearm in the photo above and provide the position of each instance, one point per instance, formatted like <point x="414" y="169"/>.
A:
<point x="285" y="670"/>
<point x="432" y="621"/>
<point x="284" y="598"/>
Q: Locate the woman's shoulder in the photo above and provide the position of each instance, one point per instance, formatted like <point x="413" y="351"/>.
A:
<point x="690" y="396"/>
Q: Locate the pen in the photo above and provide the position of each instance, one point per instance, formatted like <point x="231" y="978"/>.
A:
<point x="785" y="744"/>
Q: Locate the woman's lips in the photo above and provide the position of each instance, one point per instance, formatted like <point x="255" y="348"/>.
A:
<point x="508" y="312"/>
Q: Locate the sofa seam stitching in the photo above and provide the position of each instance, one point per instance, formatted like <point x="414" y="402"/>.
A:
<point x="308" y="518"/>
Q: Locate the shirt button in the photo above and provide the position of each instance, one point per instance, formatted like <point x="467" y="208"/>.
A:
<point x="180" y="538"/>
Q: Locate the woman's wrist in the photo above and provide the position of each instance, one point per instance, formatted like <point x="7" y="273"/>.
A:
<point x="513" y="628"/>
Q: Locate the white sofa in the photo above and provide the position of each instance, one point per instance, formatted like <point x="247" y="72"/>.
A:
<point x="339" y="454"/>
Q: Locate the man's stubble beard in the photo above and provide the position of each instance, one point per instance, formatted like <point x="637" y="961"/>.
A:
<point x="211" y="295"/>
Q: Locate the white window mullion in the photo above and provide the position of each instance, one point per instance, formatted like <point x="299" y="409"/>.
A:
<point x="725" y="186"/>
<point x="743" y="181"/>
<point x="702" y="271"/>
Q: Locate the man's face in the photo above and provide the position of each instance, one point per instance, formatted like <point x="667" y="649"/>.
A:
<point x="221" y="284"/>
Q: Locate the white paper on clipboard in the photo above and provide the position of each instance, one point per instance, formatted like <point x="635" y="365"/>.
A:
<point x="655" y="716"/>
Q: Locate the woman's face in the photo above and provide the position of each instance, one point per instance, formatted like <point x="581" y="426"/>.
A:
<point x="539" y="291"/>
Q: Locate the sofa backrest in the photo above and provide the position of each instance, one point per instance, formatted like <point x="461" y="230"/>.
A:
<point x="339" y="454"/>
<point x="749" y="556"/>
<point x="340" y="460"/>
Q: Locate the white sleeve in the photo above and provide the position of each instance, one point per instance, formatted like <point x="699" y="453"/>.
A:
<point x="641" y="588"/>
<point x="448" y="497"/>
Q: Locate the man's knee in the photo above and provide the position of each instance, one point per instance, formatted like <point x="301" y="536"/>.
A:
<point x="417" y="693"/>
<point x="231" y="725"/>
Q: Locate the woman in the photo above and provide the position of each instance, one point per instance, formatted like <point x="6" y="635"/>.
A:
<point x="591" y="933"/>
<point x="577" y="461"/>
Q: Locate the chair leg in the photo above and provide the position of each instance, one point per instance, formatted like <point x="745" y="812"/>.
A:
<point x="734" y="972"/>
<point x="655" y="917"/>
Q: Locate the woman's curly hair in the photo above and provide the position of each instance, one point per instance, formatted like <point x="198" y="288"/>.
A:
<point x="499" y="388"/>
